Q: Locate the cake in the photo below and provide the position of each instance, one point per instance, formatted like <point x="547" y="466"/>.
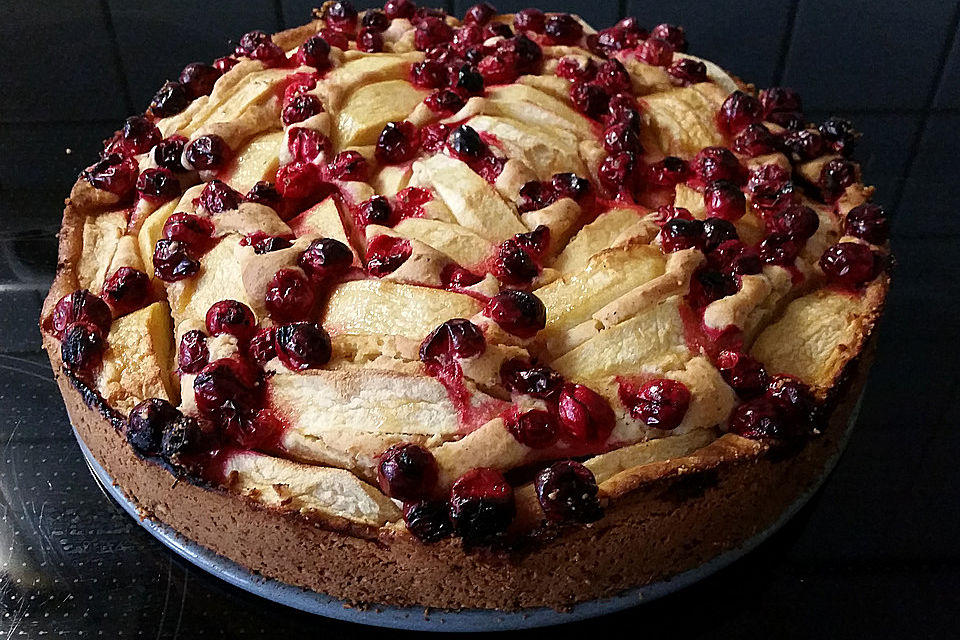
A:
<point x="495" y="313"/>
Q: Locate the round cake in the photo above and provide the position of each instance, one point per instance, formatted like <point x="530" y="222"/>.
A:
<point x="500" y="312"/>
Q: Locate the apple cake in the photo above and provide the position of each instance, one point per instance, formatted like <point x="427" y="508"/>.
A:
<point x="499" y="313"/>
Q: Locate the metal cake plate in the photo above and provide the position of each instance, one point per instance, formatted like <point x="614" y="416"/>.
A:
<point x="417" y="618"/>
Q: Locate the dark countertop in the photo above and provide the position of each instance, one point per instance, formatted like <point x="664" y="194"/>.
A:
<point x="874" y="555"/>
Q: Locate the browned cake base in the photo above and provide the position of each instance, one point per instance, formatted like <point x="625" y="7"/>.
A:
<point x="681" y="514"/>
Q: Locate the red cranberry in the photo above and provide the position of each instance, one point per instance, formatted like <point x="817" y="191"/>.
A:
<point x="767" y="179"/>
<point x="81" y="347"/>
<point x="589" y="99"/>
<point x="614" y="39"/>
<point x="158" y="185"/>
<point x="688" y="71"/>
<point x="716" y="231"/>
<point x="631" y="24"/>
<point x="232" y="318"/>
<point x="397" y="143"/>
<point x="80" y="306"/>
<point x="867" y="221"/>
<point x="667" y="212"/>
<point x="755" y="140"/>
<point x="678" y="234"/>
<point x="481" y="505"/>
<point x="369" y="40"/>
<point x="465" y="143"/>
<point x="431" y="32"/>
<point x="114" y="173"/>
<point x="534" y="195"/>
<point x="444" y="102"/>
<point x="836" y="176"/>
<point x="340" y="16"/>
<point x="535" y="428"/>
<point x="227" y="391"/>
<point x="301" y="107"/>
<point x="539" y="381"/>
<point x="138" y="135"/>
<point x="496" y="30"/>
<point x="742" y="372"/>
<point x="567" y="492"/>
<point x="407" y="472"/>
<point x="302" y="182"/>
<point x="796" y="221"/>
<point x="792" y="398"/>
<point x="385" y="254"/>
<point x="575" y="71"/>
<point x="375" y="20"/>
<point x="656" y="52"/>
<point x="172" y="261"/>
<point x="195" y="232"/>
<point x="224" y="64"/>
<point x="193" y="354"/>
<point x="428" y="520"/>
<point x="208" y="153"/>
<point x="454" y="276"/>
<point x="849" y="264"/>
<point x="257" y="45"/>
<point x="780" y="99"/>
<point x="399" y="9"/>
<point x="619" y="138"/>
<point x="569" y="185"/>
<point x="127" y="290"/>
<point x="326" y="259"/>
<point x="756" y="419"/>
<point x="517" y="312"/>
<point x="263" y="346"/>
<point x="530" y="20"/>
<point x="616" y="172"/>
<point x="562" y="28"/>
<point x="738" y="110"/>
<point x="534" y="242"/>
<point x="264" y="193"/>
<point x="349" y="166"/>
<point x="613" y="76"/>
<point x="198" y="79"/>
<point x="622" y="108"/>
<point x="315" y="52"/>
<point x="167" y="153"/>
<point x="672" y="35"/>
<point x="376" y="210"/>
<point x="470" y="80"/>
<point x="735" y="258"/>
<point x="335" y="38"/>
<point x="217" y="196"/>
<point x="717" y="163"/>
<point x="661" y="404"/>
<point x="668" y="172"/>
<point x="429" y="75"/>
<point x="839" y="135"/>
<point x="302" y="345"/>
<point x="789" y="120"/>
<point x="803" y="145"/>
<point x="585" y="416"/>
<point x="170" y="100"/>
<point x="513" y="265"/>
<point x="480" y="14"/>
<point x="723" y="199"/>
<point x="147" y="423"/>
<point x="306" y="145"/>
<point x="498" y="69"/>
<point x="779" y="248"/>
<point x="709" y="285"/>
<point x="457" y="338"/>
<point x="289" y="296"/>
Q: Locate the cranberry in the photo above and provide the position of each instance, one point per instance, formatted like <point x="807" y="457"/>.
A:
<point x="738" y="110"/>
<point x="385" y="254"/>
<point x="667" y="212"/>
<point x="723" y="199"/>
<point x="792" y="397"/>
<point x="397" y="143"/>
<point x="302" y="182"/>
<point x="454" y="276"/>
<point x="849" y="264"/>
<point x="534" y="242"/>
<point x="250" y="41"/>
<point x="839" y="135"/>
<point x="407" y="472"/>
<point x="803" y="145"/>
<point x="81" y="347"/>
<point x="796" y="221"/>
<point x="656" y="52"/>
<point x="755" y="140"/>
<point x="431" y="32"/>
<point x="315" y="52"/>
<point x="470" y="80"/>
<point x="209" y="153"/>
<point x="619" y="138"/>
<point x="576" y="70"/>
<point x="170" y="100"/>
<point x="227" y="391"/>
<point x="335" y="38"/>
<point x="369" y="40"/>
<point x="457" y="338"/>
<point x="767" y="179"/>
<point x="302" y="345"/>
<point x="195" y="232"/>
<point x="867" y="221"/>
<point x="306" y="145"/>
<point x="668" y="172"/>
<point x="428" y="520"/>
<point x="780" y="99"/>
<point x="465" y="143"/>
<point x="631" y="24"/>
<point x="688" y="71"/>
<point x="585" y="416"/>
<point x="217" y="196"/>
<point x="622" y="108"/>
<point x="444" y="102"/>
<point x="513" y="265"/>
<point x="375" y="20"/>
<point x="498" y="69"/>
<point x="399" y="9"/>
<point x="616" y="172"/>
<point x="530" y="20"/>
<point x="835" y="176"/>
<point x="127" y="290"/>
<point x="756" y="419"/>
<point x="326" y="259"/>
<point x="535" y="428"/>
<point x="539" y="381"/>
<point x="340" y="16"/>
<point x="138" y="135"/>
<point x="709" y="285"/>
<point x="114" y="173"/>
<point x="496" y="30"/>
<point x="672" y="35"/>
<point x="80" y="306"/>
<point x="613" y="76"/>
<point x="481" y="505"/>
<point x="534" y="195"/>
<point x="198" y="79"/>
<point x="517" y="312"/>
<point x="779" y="248"/>
<point x="348" y="166"/>
<point x="429" y="75"/>
<point x="193" y="354"/>
<point x="232" y="318"/>
<point x="180" y="436"/>
<point x="562" y="28"/>
<point x="261" y="47"/>
<point x="263" y="243"/>
<point x="480" y="14"/>
<point x="289" y="296"/>
<point x="742" y="372"/>
<point x="678" y="234"/>
<point x="661" y="404"/>
<point x="589" y="99"/>
<point x="376" y="210"/>
<point x="167" y="153"/>
<point x="301" y="107"/>
<point x="717" y="163"/>
<point x="224" y="64"/>
<point x="789" y="120"/>
<point x="264" y="193"/>
<point x="567" y="492"/>
<point x="735" y="258"/>
<point x="263" y="346"/>
<point x="614" y="39"/>
<point x="716" y="231"/>
<point x="146" y="424"/>
<point x="158" y="185"/>
<point x="172" y="261"/>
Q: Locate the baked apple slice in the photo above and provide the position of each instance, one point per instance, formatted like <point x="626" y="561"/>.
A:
<point x="370" y="107"/>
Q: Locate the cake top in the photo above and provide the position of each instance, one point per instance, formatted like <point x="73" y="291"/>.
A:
<point x="389" y="266"/>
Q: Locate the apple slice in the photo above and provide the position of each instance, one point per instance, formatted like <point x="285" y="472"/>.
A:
<point x="463" y="246"/>
<point x="680" y="122"/>
<point x="521" y="102"/>
<point x="322" y="220"/>
<point x="607" y="465"/>
<point x="370" y="107"/>
<point x="594" y="238"/>
<point x="220" y="278"/>
<point x="101" y="234"/>
<point x="546" y="151"/>
<point x="150" y="232"/>
<point x="229" y="102"/>
<point x="256" y="161"/>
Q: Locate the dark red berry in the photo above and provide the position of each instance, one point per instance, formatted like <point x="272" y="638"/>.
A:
<point x="217" y="196"/>
<point x="301" y="107"/>
<point x="671" y="34"/>
<point x="431" y="32"/>
<point x="457" y="338"/>
<point x="590" y="99"/>
<point x="315" y="52"/>
<point x="138" y="135"/>
<point x="302" y="345"/>
<point x="585" y="415"/>
<point x="127" y="290"/>
<point x="562" y="28"/>
<point x="796" y="221"/>
<point x="81" y="347"/>
<point x="172" y="261"/>
<point x="780" y="99"/>
<point x="867" y="221"/>
<point x="688" y="71"/>
<point x="678" y="234"/>
<point x="614" y="39"/>
<point x="839" y="135"/>
<point x="530" y="20"/>
<point x="407" y="472"/>
<point x="709" y="285"/>
<point x="369" y="40"/>
<point x="231" y="317"/>
<point x="756" y="419"/>
<point x="399" y="9"/>
<point x="745" y="374"/>
<point x="264" y="193"/>
<point x="340" y="16"/>
<point x="617" y="172"/>
<point x="114" y="173"/>
<point x="569" y="185"/>
<point x="429" y="74"/>
<point x="849" y="264"/>
<point x="349" y="166"/>
<point x="735" y="258"/>
<point x="224" y="64"/>
<point x="668" y="172"/>
<point x="263" y="347"/>
<point x="170" y="100"/>
<point x="723" y="199"/>
<point x="147" y="423"/>
<point x="198" y="79"/>
<point x="792" y="398"/>
<point x="453" y="276"/>
<point x="660" y="404"/>
<point x="480" y="14"/>
<point x="534" y="428"/>
<point x="517" y="312"/>
<point x="428" y="520"/>
<point x="535" y="242"/>
<point x="755" y="140"/>
<point x="193" y="231"/>
<point x="397" y="143"/>
<point x="470" y="80"/>
<point x="481" y="505"/>
<point x="326" y="259"/>
<point x="158" y="185"/>
<point x="385" y="254"/>
<point x="227" y="392"/>
<point x="289" y="296"/>
<point x="193" y="354"/>
<point x="803" y="145"/>
<point x="302" y="182"/>
<point x="208" y="153"/>
<point x="513" y="264"/>
<point x="168" y="153"/>
<point x="716" y="231"/>
<point x="444" y="102"/>
<point x="836" y="176"/>
<point x="539" y="381"/>
<point x="567" y="492"/>
<point x="656" y="52"/>
<point x="667" y="212"/>
<point x="376" y="210"/>
<point x="80" y="306"/>
<point x="375" y="20"/>
<point x="465" y="143"/>
<point x="618" y="138"/>
<point x="737" y="111"/>
<point x="717" y="163"/>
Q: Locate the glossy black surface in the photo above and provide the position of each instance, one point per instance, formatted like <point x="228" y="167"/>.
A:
<point x="874" y="555"/>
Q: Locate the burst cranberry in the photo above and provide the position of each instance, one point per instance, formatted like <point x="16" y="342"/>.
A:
<point x="619" y="138"/>
<point x="302" y="345"/>
<point x="376" y="210"/>
<point x="114" y="173"/>
<point x="147" y="423"/>
<point x="170" y="100"/>
<point x="793" y="398"/>
<point x="667" y="212"/>
<point x="779" y="248"/>
<point x="668" y="172"/>
<point x="227" y="391"/>
<point x="479" y="14"/>
<point x="465" y="143"/>
<point x="835" y="176"/>
<point x="457" y="338"/>
<point x="567" y="492"/>
<point x="656" y="52"/>
<point x="535" y="428"/>
<point x="217" y="197"/>
<point x="385" y="254"/>
<point x="613" y="76"/>
<point x="257" y="45"/>
<point x="867" y="221"/>
<point x="688" y="71"/>
<point x="614" y="39"/>
<point x="716" y="231"/>
<point x="530" y="20"/>
<point x="709" y="285"/>
<point x="138" y="135"/>
<point x="397" y="142"/>
<point x="429" y="75"/>
<point x="780" y="99"/>
<point x="539" y="381"/>
<point x="796" y="221"/>
<point x="735" y="258"/>
<point x="453" y="276"/>
<point x="672" y="35"/>
<point x="340" y="16"/>
<point x="250" y="41"/>
<point x="306" y="145"/>
<point x="661" y="404"/>
<point x="498" y="69"/>
<point x="849" y="264"/>
<point x="224" y="64"/>
<point x="717" y="163"/>
<point x="315" y="52"/>
<point x="723" y="199"/>
<point x="513" y="265"/>
<point x="193" y="354"/>
<point x="616" y="172"/>
<point x="431" y="32"/>
<point x="209" y="153"/>
<point x="534" y="242"/>
<point x="678" y="234"/>
<point x="576" y="70"/>
<point x="348" y="166"/>
<point x="481" y="505"/>
<point x="232" y="318"/>
<point x="569" y="185"/>
<point x="407" y="472"/>
<point x="265" y="193"/>
<point x="755" y="140"/>
<point x="80" y="306"/>
<point x="158" y="185"/>
<point x="375" y="20"/>
<point x="585" y="416"/>
<point x="562" y="28"/>
<point x="803" y="145"/>
<point x="369" y="40"/>
<point x="301" y="182"/>
<point x="444" y="103"/>
<point x="168" y="152"/>
<point x="198" y="79"/>
<point x="622" y="109"/>
<point x="172" y="261"/>
<point x="737" y="111"/>
<point x="127" y="290"/>
<point x="428" y="520"/>
<point x="335" y="38"/>
<point x="631" y="24"/>
<point x="742" y="372"/>
<point x="326" y="259"/>
<point x="589" y="99"/>
<point x="263" y="347"/>
<point x="301" y="107"/>
<point x="767" y="178"/>
<point x="839" y="135"/>
<point x="470" y="80"/>
<point x="289" y="296"/>
<point x="534" y="195"/>
<point x="81" y="347"/>
<point x="517" y="312"/>
<point x="756" y="419"/>
<point x="193" y="231"/>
